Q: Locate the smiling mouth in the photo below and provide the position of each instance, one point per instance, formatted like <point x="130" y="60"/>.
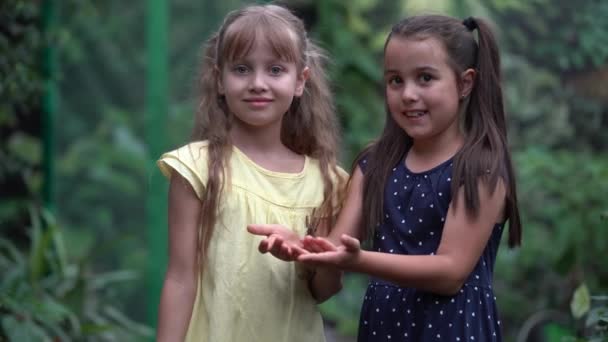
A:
<point x="415" y="114"/>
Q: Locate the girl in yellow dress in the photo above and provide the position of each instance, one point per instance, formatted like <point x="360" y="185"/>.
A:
<point x="264" y="151"/>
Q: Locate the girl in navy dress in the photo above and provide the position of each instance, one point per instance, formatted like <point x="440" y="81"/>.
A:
<point x="433" y="192"/>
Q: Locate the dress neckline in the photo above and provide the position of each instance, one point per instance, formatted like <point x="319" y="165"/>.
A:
<point x="245" y="158"/>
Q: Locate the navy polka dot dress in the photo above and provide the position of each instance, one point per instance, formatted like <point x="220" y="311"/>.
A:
<point x="415" y="207"/>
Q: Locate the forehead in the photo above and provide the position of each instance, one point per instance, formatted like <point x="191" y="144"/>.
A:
<point x="244" y="36"/>
<point x="406" y="54"/>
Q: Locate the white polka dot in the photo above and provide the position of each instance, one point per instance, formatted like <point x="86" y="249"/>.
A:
<point x="440" y="194"/>
<point x="431" y="205"/>
<point x="395" y="180"/>
<point x="395" y="193"/>
<point x="420" y="220"/>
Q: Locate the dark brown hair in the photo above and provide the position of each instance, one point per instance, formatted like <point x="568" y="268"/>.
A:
<point x="485" y="154"/>
<point x="309" y="127"/>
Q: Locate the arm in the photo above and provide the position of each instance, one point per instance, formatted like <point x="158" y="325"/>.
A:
<point x="328" y="281"/>
<point x="179" y="287"/>
<point x="462" y="243"/>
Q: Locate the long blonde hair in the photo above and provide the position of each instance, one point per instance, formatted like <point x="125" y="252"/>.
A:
<point x="309" y="127"/>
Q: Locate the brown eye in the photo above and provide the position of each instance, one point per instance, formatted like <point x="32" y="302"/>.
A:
<point x="425" y="78"/>
<point x="395" y="80"/>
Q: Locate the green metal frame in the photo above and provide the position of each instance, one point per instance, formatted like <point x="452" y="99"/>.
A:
<point x="156" y="111"/>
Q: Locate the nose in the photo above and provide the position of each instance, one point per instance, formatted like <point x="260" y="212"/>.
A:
<point x="409" y="93"/>
<point x="258" y="82"/>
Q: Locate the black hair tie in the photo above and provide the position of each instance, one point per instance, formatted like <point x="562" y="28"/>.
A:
<point x="470" y="23"/>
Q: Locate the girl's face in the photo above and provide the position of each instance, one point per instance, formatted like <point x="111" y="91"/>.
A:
<point x="259" y="88"/>
<point x="422" y="91"/>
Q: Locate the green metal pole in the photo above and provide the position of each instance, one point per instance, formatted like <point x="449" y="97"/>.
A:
<point x="49" y="102"/>
<point x="157" y="107"/>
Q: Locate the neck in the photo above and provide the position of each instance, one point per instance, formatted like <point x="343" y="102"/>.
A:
<point x="267" y="140"/>
<point x="440" y="147"/>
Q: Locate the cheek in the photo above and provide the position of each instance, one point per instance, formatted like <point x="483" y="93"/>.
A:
<point x="393" y="101"/>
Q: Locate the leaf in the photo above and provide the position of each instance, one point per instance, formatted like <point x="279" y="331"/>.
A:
<point x="581" y="301"/>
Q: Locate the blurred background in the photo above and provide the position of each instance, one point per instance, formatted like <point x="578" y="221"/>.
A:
<point x="91" y="92"/>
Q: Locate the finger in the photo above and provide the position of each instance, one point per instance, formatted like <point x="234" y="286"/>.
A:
<point x="297" y="251"/>
<point x="311" y="245"/>
<point x="263" y="246"/>
<point x="317" y="259"/>
<point x="271" y="239"/>
<point x="276" y="246"/>
<point x="325" y="244"/>
<point x="260" y="229"/>
<point x="350" y="242"/>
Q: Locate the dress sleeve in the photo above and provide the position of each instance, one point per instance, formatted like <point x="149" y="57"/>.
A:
<point x="190" y="162"/>
<point x="362" y="162"/>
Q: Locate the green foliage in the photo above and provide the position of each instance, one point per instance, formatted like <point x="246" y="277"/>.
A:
<point x="572" y="33"/>
<point x="356" y="66"/>
<point x="45" y="295"/>
<point x="562" y="196"/>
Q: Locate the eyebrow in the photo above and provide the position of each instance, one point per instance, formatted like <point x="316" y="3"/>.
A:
<point x="418" y="69"/>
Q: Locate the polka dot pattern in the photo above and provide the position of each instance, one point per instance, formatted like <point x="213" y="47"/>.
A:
<point x="415" y="207"/>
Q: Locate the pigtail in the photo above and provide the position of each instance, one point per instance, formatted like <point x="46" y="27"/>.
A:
<point x="485" y="151"/>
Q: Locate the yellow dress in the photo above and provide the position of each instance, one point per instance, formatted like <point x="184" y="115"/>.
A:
<point x="245" y="295"/>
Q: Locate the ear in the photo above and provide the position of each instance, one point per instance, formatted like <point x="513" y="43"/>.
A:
<point x="218" y="77"/>
<point x="467" y="81"/>
<point x="301" y="81"/>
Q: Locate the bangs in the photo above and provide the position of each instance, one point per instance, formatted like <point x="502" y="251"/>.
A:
<point x="243" y="33"/>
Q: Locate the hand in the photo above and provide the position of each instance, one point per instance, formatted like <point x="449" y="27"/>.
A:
<point x="323" y="252"/>
<point x="280" y="241"/>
